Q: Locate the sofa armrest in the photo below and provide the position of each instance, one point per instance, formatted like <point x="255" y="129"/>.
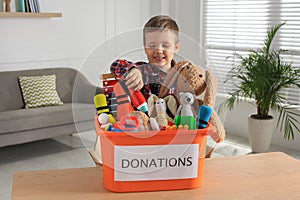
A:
<point x="84" y="91"/>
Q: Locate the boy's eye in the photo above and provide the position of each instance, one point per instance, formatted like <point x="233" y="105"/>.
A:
<point x="166" y="45"/>
<point x="151" y="45"/>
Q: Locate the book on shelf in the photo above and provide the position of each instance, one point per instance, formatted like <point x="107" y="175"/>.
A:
<point x="37" y="5"/>
<point x="20" y="5"/>
<point x="31" y="6"/>
<point x="27" y="9"/>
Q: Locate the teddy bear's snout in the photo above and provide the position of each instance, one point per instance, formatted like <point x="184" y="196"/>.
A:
<point x="188" y="99"/>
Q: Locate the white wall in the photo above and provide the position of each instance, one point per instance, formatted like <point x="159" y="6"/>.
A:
<point x="35" y="42"/>
<point x="27" y="43"/>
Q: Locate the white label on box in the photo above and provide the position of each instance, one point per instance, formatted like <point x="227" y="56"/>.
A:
<point x="155" y="162"/>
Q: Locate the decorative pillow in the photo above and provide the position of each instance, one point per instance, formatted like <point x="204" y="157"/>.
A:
<point x="39" y="91"/>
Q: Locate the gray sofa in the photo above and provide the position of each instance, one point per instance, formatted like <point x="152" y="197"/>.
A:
<point x="20" y="125"/>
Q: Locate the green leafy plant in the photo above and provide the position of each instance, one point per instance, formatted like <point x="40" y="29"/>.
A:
<point x="261" y="75"/>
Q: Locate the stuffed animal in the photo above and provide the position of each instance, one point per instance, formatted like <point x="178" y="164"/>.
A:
<point x="157" y="108"/>
<point x="186" y="100"/>
<point x="145" y="123"/>
<point x="185" y="115"/>
<point x="187" y="77"/>
<point x="143" y="120"/>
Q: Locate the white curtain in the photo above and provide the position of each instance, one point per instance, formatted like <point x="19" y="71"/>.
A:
<point x="235" y="26"/>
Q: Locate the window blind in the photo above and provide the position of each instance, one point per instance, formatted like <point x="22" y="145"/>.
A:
<point x="235" y="26"/>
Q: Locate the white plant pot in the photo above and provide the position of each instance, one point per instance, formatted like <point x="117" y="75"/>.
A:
<point x="260" y="134"/>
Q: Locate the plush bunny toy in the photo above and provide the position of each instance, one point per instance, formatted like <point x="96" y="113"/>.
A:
<point x="187" y="77"/>
<point x="157" y="108"/>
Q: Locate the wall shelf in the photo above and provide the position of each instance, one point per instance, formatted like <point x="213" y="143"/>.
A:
<point x="29" y="15"/>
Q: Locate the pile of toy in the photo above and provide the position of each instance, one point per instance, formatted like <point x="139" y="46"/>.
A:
<point x="183" y="110"/>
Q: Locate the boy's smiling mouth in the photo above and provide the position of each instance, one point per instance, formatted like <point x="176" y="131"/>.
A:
<point x="159" y="57"/>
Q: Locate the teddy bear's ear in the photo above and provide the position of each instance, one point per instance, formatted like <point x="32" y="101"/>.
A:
<point x="171" y="104"/>
<point x="151" y="105"/>
<point x="171" y="78"/>
<point x="211" y="89"/>
<point x="168" y="83"/>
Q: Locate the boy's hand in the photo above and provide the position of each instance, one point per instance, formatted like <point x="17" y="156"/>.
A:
<point x="134" y="79"/>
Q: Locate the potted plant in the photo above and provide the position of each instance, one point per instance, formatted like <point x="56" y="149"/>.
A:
<point x="261" y="76"/>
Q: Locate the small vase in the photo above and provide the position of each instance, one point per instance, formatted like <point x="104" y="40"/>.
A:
<point x="260" y="133"/>
<point x="7" y="5"/>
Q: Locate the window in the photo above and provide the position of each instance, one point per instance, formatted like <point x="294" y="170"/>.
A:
<point x="234" y="26"/>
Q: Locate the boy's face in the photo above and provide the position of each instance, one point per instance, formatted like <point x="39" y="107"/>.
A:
<point x="160" y="47"/>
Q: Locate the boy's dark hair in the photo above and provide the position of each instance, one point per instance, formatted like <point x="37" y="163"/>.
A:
<point x="160" y="22"/>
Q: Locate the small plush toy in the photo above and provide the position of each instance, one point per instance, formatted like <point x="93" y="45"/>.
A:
<point x="186" y="100"/>
<point x="143" y="120"/>
<point x="185" y="115"/>
<point x="187" y="77"/>
<point x="145" y="123"/>
<point x="158" y="108"/>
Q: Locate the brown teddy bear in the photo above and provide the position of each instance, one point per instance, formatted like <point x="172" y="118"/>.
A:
<point x="187" y="77"/>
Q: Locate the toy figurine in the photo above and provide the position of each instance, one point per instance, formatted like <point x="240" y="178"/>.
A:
<point x="185" y="114"/>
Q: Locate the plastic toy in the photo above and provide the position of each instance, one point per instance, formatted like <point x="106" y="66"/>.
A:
<point x="124" y="106"/>
<point x="102" y="107"/>
<point x="204" y="116"/>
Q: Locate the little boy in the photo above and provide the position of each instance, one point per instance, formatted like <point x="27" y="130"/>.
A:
<point x="160" y="35"/>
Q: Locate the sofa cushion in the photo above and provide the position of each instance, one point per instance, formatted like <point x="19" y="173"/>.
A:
<point x="29" y="119"/>
<point x="39" y="91"/>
